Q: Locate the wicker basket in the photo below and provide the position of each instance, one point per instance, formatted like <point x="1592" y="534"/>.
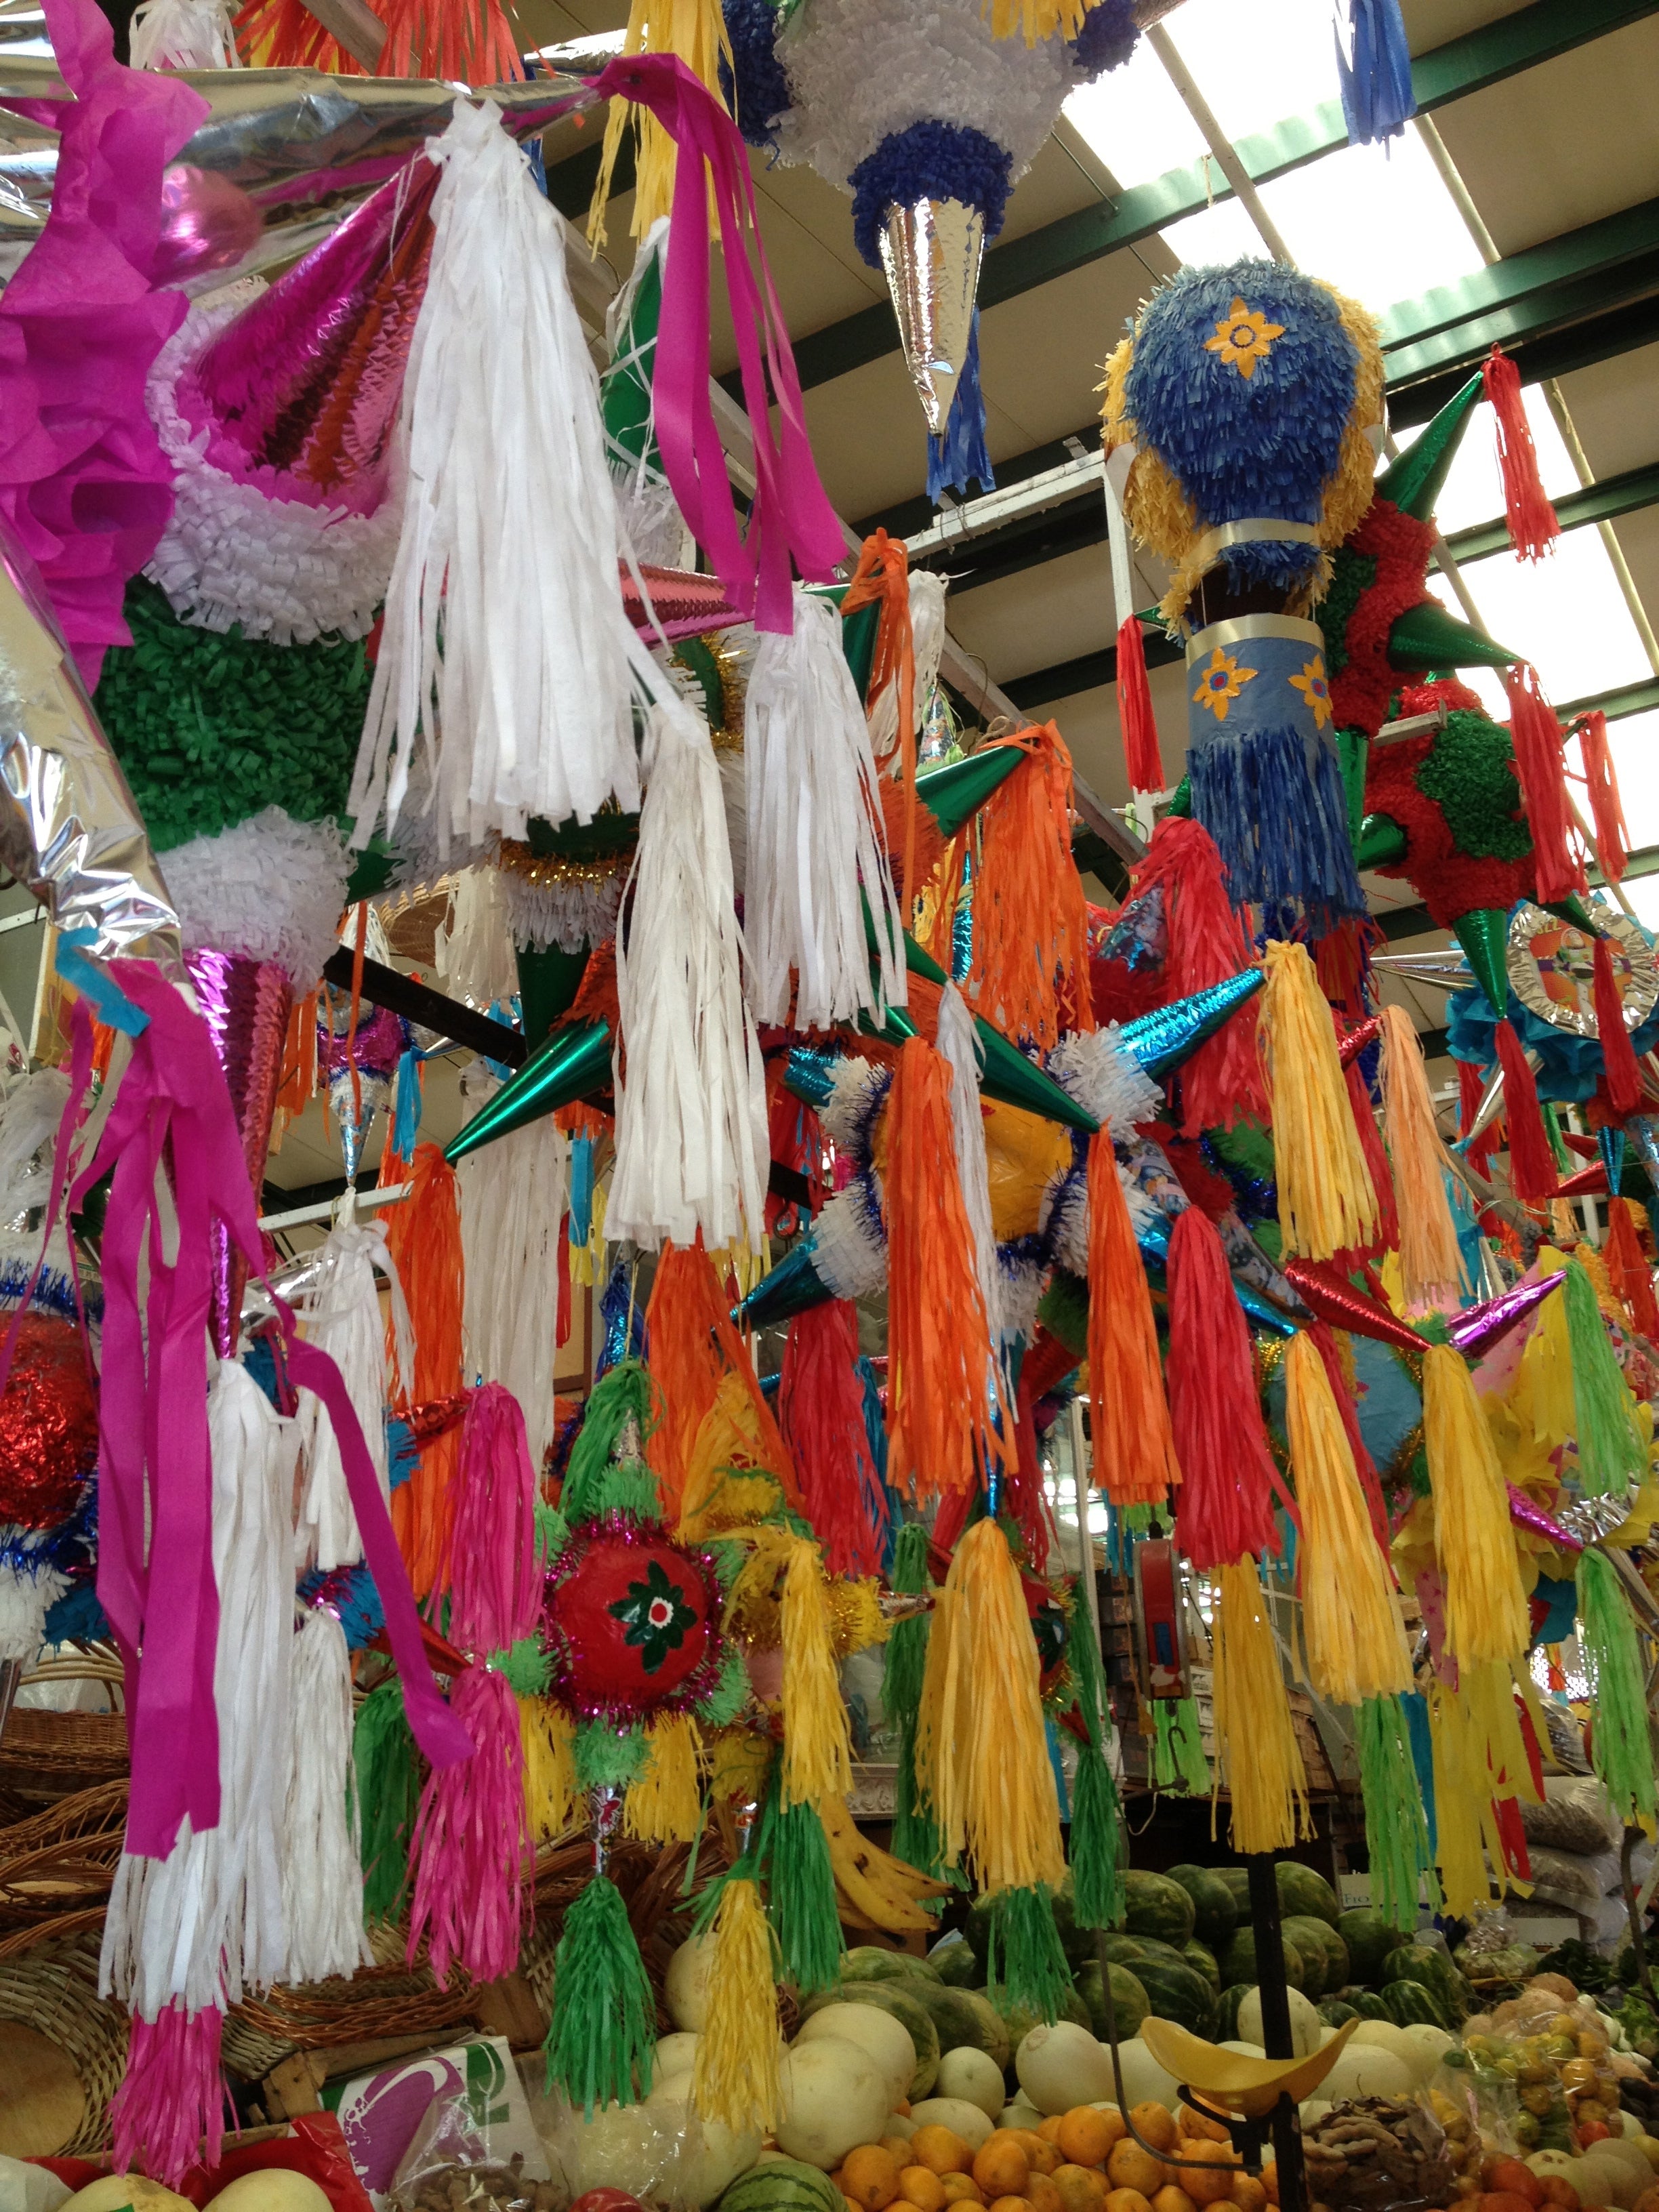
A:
<point x="61" y="1860"/>
<point x="390" y="1998"/>
<point x="46" y="1756"/>
<point x="65" y="2044"/>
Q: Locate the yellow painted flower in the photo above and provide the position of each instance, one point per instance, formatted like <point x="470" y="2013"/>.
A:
<point x="1243" y="338"/>
<point x="1315" y="689"/>
<point x="1220" y="684"/>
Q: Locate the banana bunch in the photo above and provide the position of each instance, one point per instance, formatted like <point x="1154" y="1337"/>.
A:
<point x="875" y="1892"/>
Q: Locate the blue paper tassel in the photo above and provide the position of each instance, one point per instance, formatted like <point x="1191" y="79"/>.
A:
<point x="582" y="1192"/>
<point x="350" y="1593"/>
<point x="959" y="457"/>
<point x="406" y="1111"/>
<point x="1281" y="825"/>
<point x="613" y="1310"/>
<point x="77" y="1617"/>
<point x="1377" y="99"/>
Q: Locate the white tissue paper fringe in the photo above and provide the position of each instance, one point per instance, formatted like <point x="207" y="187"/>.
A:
<point x="857" y="1087"/>
<point x="270" y="887"/>
<point x="322" y="1879"/>
<point x="848" y="1248"/>
<point x="473" y="945"/>
<point x="341" y="1308"/>
<point x="958" y="1042"/>
<point x="570" y="915"/>
<point x="1104" y="1079"/>
<point x="183" y="34"/>
<point x="513" y="1194"/>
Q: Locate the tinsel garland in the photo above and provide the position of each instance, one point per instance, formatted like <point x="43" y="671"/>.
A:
<point x="210" y="728"/>
<point x="564" y="902"/>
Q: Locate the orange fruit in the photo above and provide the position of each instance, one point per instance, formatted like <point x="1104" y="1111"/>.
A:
<point x="941" y="2149"/>
<point x="1009" y="2205"/>
<point x="1198" y="2127"/>
<point x="1042" y="2154"/>
<point x="903" y="2108"/>
<point x="1049" y="2130"/>
<point x="1125" y="2200"/>
<point x="1002" y="2165"/>
<point x="1155" y="2123"/>
<point x="1270" y="2181"/>
<point x="1082" y="2188"/>
<point x="870" y="2176"/>
<point x="898" y="2148"/>
<point x="1042" y="2195"/>
<point x="962" y="2189"/>
<point x="1173" y="2198"/>
<point x="849" y="2203"/>
<point x="1086" y="2135"/>
<point x="1129" y="2166"/>
<point x="1247" y="2193"/>
<point x="921" y="2186"/>
<point x="1206" y="2188"/>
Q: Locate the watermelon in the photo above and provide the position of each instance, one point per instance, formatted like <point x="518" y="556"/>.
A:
<point x="993" y="2038"/>
<point x="1324" y="1955"/>
<point x="1237" y="1879"/>
<point x="1200" y="1957"/>
<point x="1179" y="1994"/>
<point x="1421" y="1962"/>
<point x="1238" y="1961"/>
<point x="1336" y="2014"/>
<point x="1124" y="1950"/>
<point x="1019" y="2020"/>
<point x="1407" y="2003"/>
<point x="903" y="2001"/>
<point x="1155" y="1905"/>
<point x="1226" y="2011"/>
<point x="869" y="1962"/>
<point x="955" y="2021"/>
<point x="1214" y="1905"/>
<point x="1366" y="2002"/>
<point x="1129" y="2000"/>
<point x="1370" y="1938"/>
<point x="782" y="2184"/>
<point x="1302" y="1890"/>
<point x="955" y="1965"/>
<point x="1077" y="1943"/>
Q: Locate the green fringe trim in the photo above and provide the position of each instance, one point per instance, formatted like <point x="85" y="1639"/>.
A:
<point x="800" y="1889"/>
<point x="1083" y="1657"/>
<point x="1178" y="1760"/>
<point x="600" y="2040"/>
<point x="606" y="1759"/>
<point x="916" y="1838"/>
<point x="1610" y="1453"/>
<point x="1097" y="1852"/>
<point x="1396" y="1826"/>
<point x="728" y="1558"/>
<point x="386" y="1775"/>
<point x="1025" y="1955"/>
<point x="1620" y="1750"/>
<point x="552" y="1531"/>
<point x="528" y="1667"/>
<point x="627" y="1485"/>
<point x="626" y="1391"/>
<point x="1565" y="1161"/>
<point x="721" y="1708"/>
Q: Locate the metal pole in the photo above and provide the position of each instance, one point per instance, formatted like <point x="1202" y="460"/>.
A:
<point x="1275" y="1992"/>
<point x="1220" y="145"/>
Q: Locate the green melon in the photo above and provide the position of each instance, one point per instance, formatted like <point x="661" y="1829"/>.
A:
<point x="1366" y="2002"/>
<point x="1077" y="1943"/>
<point x="782" y="2184"/>
<point x="1324" y="1956"/>
<point x="1407" y="2003"/>
<point x="1124" y="1950"/>
<point x="1179" y="1994"/>
<point x="1237" y="1879"/>
<point x="955" y="1966"/>
<point x="1238" y="1961"/>
<point x="869" y="1962"/>
<point x="1421" y="1962"/>
<point x="1155" y="1905"/>
<point x="903" y="2001"/>
<point x="1200" y="1957"/>
<point x="955" y="2021"/>
<point x="1020" y="2020"/>
<point x="1302" y="1890"/>
<point x="993" y="2038"/>
<point x="1129" y="2000"/>
<point x="1214" y="1905"/>
<point x="1226" y="2011"/>
<point x="1370" y="1938"/>
<point x="1336" y="2014"/>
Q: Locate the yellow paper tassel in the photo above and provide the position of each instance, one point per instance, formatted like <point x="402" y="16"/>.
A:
<point x="737" y="1769"/>
<point x="725" y="1483"/>
<point x="1428" y="1262"/>
<point x="664" y="1806"/>
<point x="696" y="31"/>
<point x="1544" y="1391"/>
<point x="817" y="1752"/>
<point x="855" y="1616"/>
<point x="549" y="1768"/>
<point x="1474" y="1733"/>
<point x="1475" y="1544"/>
<point x="985" y="1759"/>
<point x="1350" y="1612"/>
<point x="1255" y="1737"/>
<point x="1036" y="18"/>
<point x="587" y="1261"/>
<point x="1326" y="1203"/>
<point x="1489" y="1692"/>
<point x="735" y="2079"/>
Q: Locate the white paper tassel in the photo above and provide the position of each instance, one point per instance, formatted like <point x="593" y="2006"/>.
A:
<point x="1107" y="1081"/>
<point x="270" y="888"/>
<point x="472" y="949"/>
<point x="734" y="790"/>
<point x="27" y="1596"/>
<point x="514" y="1196"/>
<point x="509" y="541"/>
<point x="928" y="644"/>
<point x="207" y="1922"/>
<point x="183" y="34"/>
<point x="568" y="915"/>
<point x="857" y="1090"/>
<point x="691" y="1109"/>
<point x="322" y="1878"/>
<point x="814" y="833"/>
<point x="28" y="1121"/>
<point x="849" y="1247"/>
<point x="341" y="1309"/>
<point x="959" y="1043"/>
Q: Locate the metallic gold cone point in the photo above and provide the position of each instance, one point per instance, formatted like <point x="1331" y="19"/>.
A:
<point x="1484" y="934"/>
<point x="572" y="1064"/>
<point x="930" y="253"/>
<point x="1414" y="482"/>
<point x="1426" y="636"/>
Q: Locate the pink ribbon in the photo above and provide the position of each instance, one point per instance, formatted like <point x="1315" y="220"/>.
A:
<point x="791" y="514"/>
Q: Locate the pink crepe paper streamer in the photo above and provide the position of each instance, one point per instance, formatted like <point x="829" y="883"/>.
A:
<point x="172" y="2096"/>
<point x="792" y="515"/>
<point x="472" y="1832"/>
<point x="83" y="481"/>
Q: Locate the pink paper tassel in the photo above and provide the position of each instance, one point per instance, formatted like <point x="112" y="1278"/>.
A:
<point x="472" y="1839"/>
<point x="173" y="2095"/>
<point x="491" y="1576"/>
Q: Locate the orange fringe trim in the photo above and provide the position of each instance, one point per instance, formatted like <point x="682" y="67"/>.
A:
<point x="883" y="573"/>
<point x="423" y="1238"/>
<point x="1030" y="918"/>
<point x="694" y="1344"/>
<point x="1129" y="1414"/>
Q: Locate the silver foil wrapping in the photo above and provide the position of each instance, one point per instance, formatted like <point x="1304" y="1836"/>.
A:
<point x="931" y="252"/>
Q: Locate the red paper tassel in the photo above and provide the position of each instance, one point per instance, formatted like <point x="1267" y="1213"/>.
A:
<point x="1532" y="1163"/>
<point x="1141" y="754"/>
<point x="1533" y="525"/>
<point x="1623" y="1079"/>
<point x="821" y="1412"/>
<point x="1471" y="1090"/>
<point x="1222" y="1083"/>
<point x="1607" y="808"/>
<point x="1628" y="1270"/>
<point x="1376" y="1159"/>
<point x="1225" y="1507"/>
<point x="1536" y="737"/>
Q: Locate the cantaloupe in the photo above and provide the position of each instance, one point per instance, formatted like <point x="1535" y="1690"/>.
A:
<point x="1021" y="2113"/>
<point x="1430" y="2044"/>
<point x="960" y="2114"/>
<point x="685" y="1985"/>
<point x="1305" y="2022"/>
<point x="674" y="2053"/>
<point x="27" y="2188"/>
<point x="1144" y="2081"/>
<point x="1061" y="2066"/>
<point x="275" y="2189"/>
<point x="713" y="2156"/>
<point x="1365" y="2069"/>
<point x="973" y="2075"/>
<point x="885" y="2038"/>
<point x="834" y="2095"/>
<point x="112" y="2191"/>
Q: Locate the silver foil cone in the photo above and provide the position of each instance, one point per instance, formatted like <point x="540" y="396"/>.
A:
<point x="931" y="252"/>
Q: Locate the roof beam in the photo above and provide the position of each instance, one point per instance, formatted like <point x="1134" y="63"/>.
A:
<point x="1519" y="41"/>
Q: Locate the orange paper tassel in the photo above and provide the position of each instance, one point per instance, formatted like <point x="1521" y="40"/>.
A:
<point x="941" y="1380"/>
<point x="1536" y="737"/>
<point x="1429" y="1264"/>
<point x="1628" y="1270"/>
<point x="1030" y="918"/>
<point x="1533" y="525"/>
<point x="693" y="1344"/>
<point x="882" y="575"/>
<point x="1134" y="1445"/>
<point x="1141" y="753"/>
<point x="1623" y="1079"/>
<point x="423" y="1238"/>
<point x="1607" y="807"/>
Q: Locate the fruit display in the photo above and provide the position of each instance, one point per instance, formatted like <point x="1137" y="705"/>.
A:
<point x="1377" y="2151"/>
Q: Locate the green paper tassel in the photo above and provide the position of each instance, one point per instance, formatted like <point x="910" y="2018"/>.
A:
<point x="1025" y="1955"/>
<point x="916" y="1838"/>
<point x="1178" y="1760"/>
<point x="552" y="1531"/>
<point x="1096" y="1843"/>
<point x="1396" y="1827"/>
<point x="800" y="1890"/>
<point x="721" y="1708"/>
<point x="600" y="2039"/>
<point x="607" y="1758"/>
<point x="626" y="1393"/>
<point x="386" y="1775"/>
<point x="528" y="1670"/>
<point x="1621" y="1749"/>
<point x="1610" y="1454"/>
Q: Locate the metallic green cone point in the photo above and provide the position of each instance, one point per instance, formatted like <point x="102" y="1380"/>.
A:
<point x="1484" y="934"/>
<point x="1353" y="751"/>
<point x="897" y="1029"/>
<point x="858" y="643"/>
<point x="1182" y="804"/>
<point x="571" y="1064"/>
<point x="953" y="794"/>
<point x="1572" y="909"/>
<point x="1007" y="1076"/>
<point x="548" y="984"/>
<point x="1414" y="483"/>
<point x="1381" y="842"/>
<point x="794" y="1286"/>
<point x="1426" y="636"/>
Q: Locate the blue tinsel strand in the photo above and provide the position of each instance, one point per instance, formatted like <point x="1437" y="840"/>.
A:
<point x="1107" y="39"/>
<point x="755" y="88"/>
<point x="613" y="1310"/>
<point x="1377" y="99"/>
<point x="962" y="928"/>
<point x="581" y="1191"/>
<point x="1243" y="446"/>
<point x="929" y="160"/>
<point x="960" y="457"/>
<point x="350" y="1593"/>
